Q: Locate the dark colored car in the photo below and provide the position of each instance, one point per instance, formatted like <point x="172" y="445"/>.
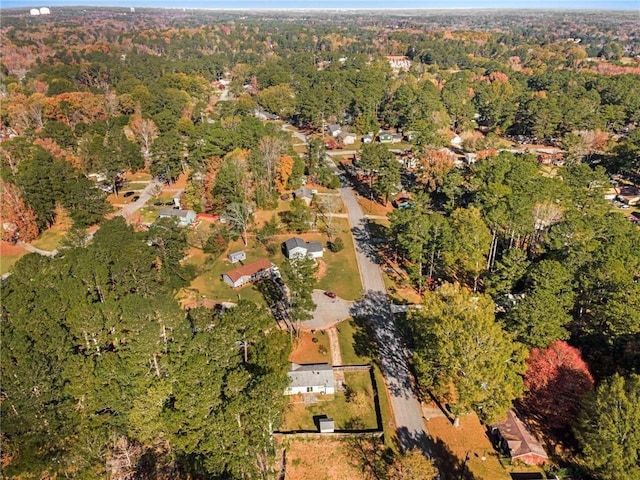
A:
<point x="330" y="294"/>
<point x="135" y="198"/>
<point x="128" y="194"/>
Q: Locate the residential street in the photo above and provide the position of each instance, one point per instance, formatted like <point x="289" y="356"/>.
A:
<point x="376" y="308"/>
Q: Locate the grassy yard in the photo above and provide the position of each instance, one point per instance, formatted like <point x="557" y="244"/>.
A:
<point x="351" y="410"/>
<point x="50" y="238"/>
<point x="452" y="444"/>
<point x="348" y="332"/>
<point x="9" y="255"/>
<point x="343" y="276"/>
<point x="210" y="283"/>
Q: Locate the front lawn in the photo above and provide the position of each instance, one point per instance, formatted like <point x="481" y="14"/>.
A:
<point x="343" y="275"/>
<point x="351" y="410"/>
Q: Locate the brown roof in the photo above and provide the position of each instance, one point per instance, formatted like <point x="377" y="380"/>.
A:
<point x="249" y="269"/>
<point x="520" y="441"/>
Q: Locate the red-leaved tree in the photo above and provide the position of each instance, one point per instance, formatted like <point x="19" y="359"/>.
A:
<point x="556" y="380"/>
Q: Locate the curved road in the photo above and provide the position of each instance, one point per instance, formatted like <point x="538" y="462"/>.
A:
<point x="377" y="309"/>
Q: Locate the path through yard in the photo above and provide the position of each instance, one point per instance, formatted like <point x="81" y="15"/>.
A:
<point x="336" y="356"/>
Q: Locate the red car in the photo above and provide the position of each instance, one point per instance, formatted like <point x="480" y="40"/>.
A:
<point x="330" y="294"/>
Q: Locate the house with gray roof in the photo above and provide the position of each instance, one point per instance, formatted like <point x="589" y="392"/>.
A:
<point x="185" y="217"/>
<point x="297" y="248"/>
<point x="312" y="378"/>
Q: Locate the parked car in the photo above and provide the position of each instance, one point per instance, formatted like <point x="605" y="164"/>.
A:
<point x="330" y="294"/>
<point x="128" y="194"/>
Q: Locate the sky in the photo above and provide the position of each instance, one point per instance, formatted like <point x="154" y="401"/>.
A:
<point x="341" y="4"/>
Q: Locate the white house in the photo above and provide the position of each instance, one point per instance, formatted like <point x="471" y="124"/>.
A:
<point x="348" y="138"/>
<point x="312" y="378"/>
<point x="334" y="129"/>
<point x="297" y="248"/>
<point x="251" y="272"/>
<point x="185" y="217"/>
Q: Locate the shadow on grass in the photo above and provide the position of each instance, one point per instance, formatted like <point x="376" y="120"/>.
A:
<point x="451" y="467"/>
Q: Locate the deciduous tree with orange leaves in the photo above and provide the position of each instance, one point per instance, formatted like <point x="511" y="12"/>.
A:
<point x="283" y="172"/>
<point x="18" y="221"/>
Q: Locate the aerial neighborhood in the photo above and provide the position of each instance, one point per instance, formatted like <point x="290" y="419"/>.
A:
<point x="333" y="244"/>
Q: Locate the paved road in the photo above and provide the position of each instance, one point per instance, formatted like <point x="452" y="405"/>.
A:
<point x="376" y="308"/>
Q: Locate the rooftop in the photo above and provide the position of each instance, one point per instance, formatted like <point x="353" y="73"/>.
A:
<point x="520" y="441"/>
<point x="249" y="269"/>
<point x="314" y="374"/>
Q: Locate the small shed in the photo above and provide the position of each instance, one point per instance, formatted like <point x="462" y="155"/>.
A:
<point x="236" y="257"/>
<point x="327" y="425"/>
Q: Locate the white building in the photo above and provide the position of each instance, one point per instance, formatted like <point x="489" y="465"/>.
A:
<point x="313" y="378"/>
<point x="297" y="248"/>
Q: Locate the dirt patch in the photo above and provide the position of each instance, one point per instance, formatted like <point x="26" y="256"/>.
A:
<point x="322" y="269"/>
<point x="321" y="459"/>
<point x="306" y="350"/>
<point x="7" y="248"/>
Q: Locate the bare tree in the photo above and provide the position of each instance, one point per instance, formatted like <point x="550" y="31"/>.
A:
<point x="271" y="149"/>
<point x="328" y="206"/>
<point x="240" y="218"/>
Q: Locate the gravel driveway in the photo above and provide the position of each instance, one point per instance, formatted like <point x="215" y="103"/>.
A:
<point x="329" y="311"/>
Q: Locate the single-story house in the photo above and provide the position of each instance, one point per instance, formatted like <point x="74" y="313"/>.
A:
<point x="334" y="129"/>
<point x="262" y="114"/>
<point x="515" y="440"/>
<point x="368" y="138"/>
<point x="251" y="272"/>
<point x="312" y="378"/>
<point x="297" y="248"/>
<point x="236" y="257"/>
<point x="396" y="137"/>
<point x="185" y="217"/>
<point x="348" y="138"/>
<point x="304" y="194"/>
<point x="326" y="425"/>
<point x="629" y="195"/>
<point x="385" y="137"/>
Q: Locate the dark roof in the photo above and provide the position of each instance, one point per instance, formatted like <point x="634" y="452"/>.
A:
<point x="520" y="441"/>
<point x="294" y="243"/>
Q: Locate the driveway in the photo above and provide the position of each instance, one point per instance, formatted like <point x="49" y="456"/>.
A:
<point x="145" y="195"/>
<point x="329" y="311"/>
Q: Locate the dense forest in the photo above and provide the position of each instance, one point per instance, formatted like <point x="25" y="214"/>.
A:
<point x="525" y="262"/>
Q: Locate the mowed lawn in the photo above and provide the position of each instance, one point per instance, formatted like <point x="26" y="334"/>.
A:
<point x="351" y="338"/>
<point x="352" y="410"/>
<point x="343" y="276"/>
<point x="209" y="282"/>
